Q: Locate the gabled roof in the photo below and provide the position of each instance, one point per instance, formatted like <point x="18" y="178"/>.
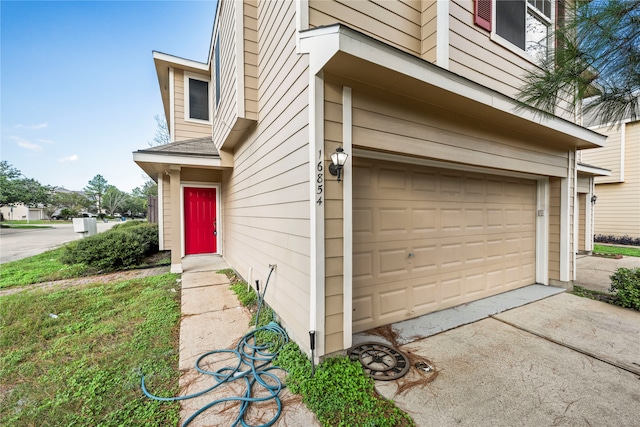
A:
<point x="197" y="152"/>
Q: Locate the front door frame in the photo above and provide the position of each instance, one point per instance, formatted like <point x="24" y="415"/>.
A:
<point x="219" y="228"/>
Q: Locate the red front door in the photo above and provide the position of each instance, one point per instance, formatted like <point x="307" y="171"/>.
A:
<point x="200" y="222"/>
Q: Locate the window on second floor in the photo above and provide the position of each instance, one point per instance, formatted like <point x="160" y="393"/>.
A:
<point x="525" y="24"/>
<point x="197" y="104"/>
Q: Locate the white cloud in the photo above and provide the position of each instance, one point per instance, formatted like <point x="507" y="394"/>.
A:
<point x="24" y="143"/>
<point x="45" y="141"/>
<point x="36" y="126"/>
<point x="71" y="158"/>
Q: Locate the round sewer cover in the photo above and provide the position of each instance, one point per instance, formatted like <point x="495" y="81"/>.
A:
<point x="380" y="361"/>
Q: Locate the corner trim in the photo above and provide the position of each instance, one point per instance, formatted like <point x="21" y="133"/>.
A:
<point x="316" y="214"/>
<point x="172" y="105"/>
<point x="347" y="218"/>
<point x="442" y="34"/>
<point x="240" y="110"/>
<point x="161" y="211"/>
<point x="542" y="232"/>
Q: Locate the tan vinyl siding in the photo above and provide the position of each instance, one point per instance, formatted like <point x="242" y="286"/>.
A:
<point x="582" y="215"/>
<point x="429" y="26"/>
<point x="609" y="157"/>
<point x="226" y="111"/>
<point x="185" y="129"/>
<point x="474" y="55"/>
<point x="397" y="23"/>
<point x="333" y="208"/>
<point x="554" y="228"/>
<point x="617" y="211"/>
<point x="583" y="184"/>
<point x="266" y="195"/>
<point x="427" y="132"/>
<point x="200" y="175"/>
<point x="251" y="59"/>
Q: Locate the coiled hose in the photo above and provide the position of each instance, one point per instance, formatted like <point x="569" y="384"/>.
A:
<point x="253" y="360"/>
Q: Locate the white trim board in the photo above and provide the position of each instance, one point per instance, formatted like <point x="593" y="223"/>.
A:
<point x="347" y="217"/>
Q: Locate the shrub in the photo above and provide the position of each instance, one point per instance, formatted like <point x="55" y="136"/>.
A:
<point x="122" y="246"/>
<point x="620" y="240"/>
<point x="625" y="282"/>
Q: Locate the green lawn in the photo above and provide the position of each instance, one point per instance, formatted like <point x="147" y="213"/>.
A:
<point x="47" y="267"/>
<point x="40" y="268"/>
<point x="616" y="250"/>
<point x="73" y="357"/>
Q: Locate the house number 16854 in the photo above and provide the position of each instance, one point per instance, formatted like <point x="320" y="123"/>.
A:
<point x="319" y="179"/>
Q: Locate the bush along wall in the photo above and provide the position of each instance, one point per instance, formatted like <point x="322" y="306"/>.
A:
<point x="617" y="240"/>
<point x="125" y="245"/>
<point x="625" y="283"/>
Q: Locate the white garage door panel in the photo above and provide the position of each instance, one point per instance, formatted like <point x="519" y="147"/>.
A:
<point x="428" y="239"/>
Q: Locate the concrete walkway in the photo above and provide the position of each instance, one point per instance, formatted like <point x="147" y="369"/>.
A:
<point x="593" y="272"/>
<point x="555" y="359"/>
<point x="213" y="319"/>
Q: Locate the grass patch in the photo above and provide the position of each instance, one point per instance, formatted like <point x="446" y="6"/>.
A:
<point x="616" y="250"/>
<point x="340" y="394"/>
<point x="36" y="269"/>
<point x="594" y="295"/>
<point x="47" y="267"/>
<point x="83" y="366"/>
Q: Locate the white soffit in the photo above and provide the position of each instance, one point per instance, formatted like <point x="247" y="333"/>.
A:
<point x="199" y="161"/>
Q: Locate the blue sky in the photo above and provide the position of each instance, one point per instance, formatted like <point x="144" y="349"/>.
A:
<point x="78" y="87"/>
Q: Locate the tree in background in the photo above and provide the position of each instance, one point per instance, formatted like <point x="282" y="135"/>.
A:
<point x="162" y="135"/>
<point x="96" y="189"/>
<point x="113" y="199"/>
<point x="149" y="188"/>
<point x="69" y="203"/>
<point x="18" y="189"/>
<point x="595" y="65"/>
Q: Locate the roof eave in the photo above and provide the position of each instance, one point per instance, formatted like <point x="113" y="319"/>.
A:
<point x="325" y="43"/>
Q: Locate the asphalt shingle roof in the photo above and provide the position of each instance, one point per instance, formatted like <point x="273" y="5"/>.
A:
<point x="202" y="147"/>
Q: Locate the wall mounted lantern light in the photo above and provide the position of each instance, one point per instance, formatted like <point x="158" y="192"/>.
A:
<point x="338" y="159"/>
<point x="593" y="199"/>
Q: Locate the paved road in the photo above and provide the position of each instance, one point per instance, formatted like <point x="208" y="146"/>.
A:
<point x="18" y="243"/>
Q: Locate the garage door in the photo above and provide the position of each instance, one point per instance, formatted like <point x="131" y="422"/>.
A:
<point x="427" y="239"/>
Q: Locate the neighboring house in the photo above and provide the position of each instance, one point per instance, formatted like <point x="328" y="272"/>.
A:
<point x="449" y="194"/>
<point x="618" y="195"/>
<point x="22" y="212"/>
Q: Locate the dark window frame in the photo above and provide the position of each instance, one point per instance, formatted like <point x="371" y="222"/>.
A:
<point x="198" y="91"/>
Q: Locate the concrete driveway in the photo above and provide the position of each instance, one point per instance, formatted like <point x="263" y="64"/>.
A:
<point x="19" y="243"/>
<point x="560" y="361"/>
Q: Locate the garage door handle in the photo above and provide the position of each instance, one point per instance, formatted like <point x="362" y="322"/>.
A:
<point x="411" y="255"/>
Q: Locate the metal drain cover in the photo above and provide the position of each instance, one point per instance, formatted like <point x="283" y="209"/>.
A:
<point x="380" y="361"/>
